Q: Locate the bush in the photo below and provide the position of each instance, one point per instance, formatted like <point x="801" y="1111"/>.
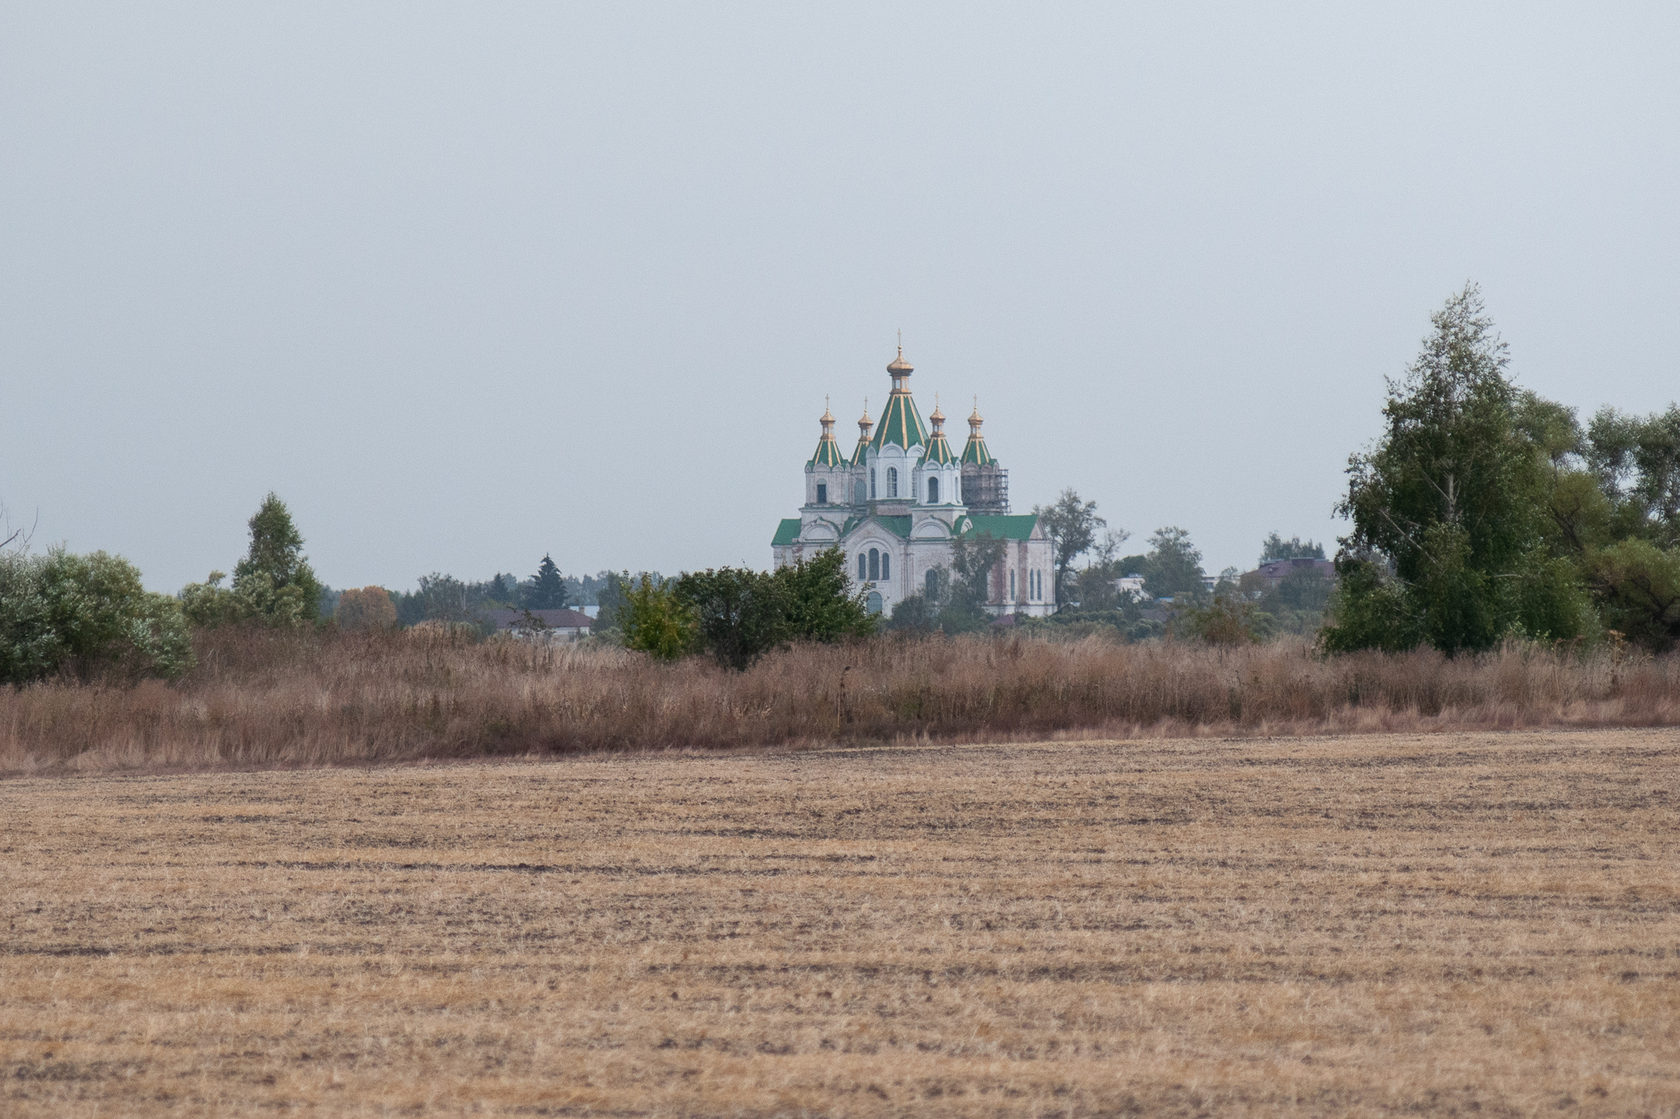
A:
<point x="88" y="617"/>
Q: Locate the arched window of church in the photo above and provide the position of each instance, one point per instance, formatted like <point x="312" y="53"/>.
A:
<point x="874" y="565"/>
<point x="863" y="568"/>
<point x="933" y="491"/>
<point x="822" y="493"/>
<point x="857" y="491"/>
<point x="872" y="485"/>
<point x="873" y="603"/>
<point x="886" y="565"/>
<point x="932" y="584"/>
<point x="892" y="481"/>
<point x="1012" y="586"/>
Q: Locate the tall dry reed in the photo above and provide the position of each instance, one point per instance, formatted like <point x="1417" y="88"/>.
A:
<point x="261" y="698"/>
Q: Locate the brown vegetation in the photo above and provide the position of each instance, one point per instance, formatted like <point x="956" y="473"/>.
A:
<point x="262" y="697"/>
<point x="1461" y="924"/>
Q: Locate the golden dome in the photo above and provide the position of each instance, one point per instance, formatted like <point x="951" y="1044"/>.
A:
<point x="898" y="365"/>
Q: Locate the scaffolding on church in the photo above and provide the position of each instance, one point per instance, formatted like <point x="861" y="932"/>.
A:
<point x="985" y="489"/>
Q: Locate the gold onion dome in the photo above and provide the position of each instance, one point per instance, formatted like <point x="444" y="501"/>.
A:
<point x="936" y="417"/>
<point x="899" y="366"/>
<point x="828" y="451"/>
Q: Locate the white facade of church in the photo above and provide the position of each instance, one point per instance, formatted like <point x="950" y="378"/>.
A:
<point x="897" y="503"/>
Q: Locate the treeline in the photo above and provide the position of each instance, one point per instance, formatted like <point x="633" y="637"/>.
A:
<point x="446" y="598"/>
<point x="1485" y="512"/>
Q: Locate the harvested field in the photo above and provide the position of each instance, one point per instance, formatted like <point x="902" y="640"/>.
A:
<point x="1483" y="923"/>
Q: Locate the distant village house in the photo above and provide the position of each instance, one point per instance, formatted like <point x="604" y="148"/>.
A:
<point x="541" y="625"/>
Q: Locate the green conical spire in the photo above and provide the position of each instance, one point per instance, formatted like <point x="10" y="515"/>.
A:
<point x="864" y="425"/>
<point x="828" y="451"/>
<point x="938" y="449"/>
<point x="901" y="425"/>
<point x="975" y="451"/>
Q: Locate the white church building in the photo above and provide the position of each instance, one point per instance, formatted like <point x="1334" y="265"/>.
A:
<point x="897" y="503"/>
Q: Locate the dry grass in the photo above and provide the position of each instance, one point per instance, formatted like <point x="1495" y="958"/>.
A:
<point x="262" y="699"/>
<point x="1387" y="924"/>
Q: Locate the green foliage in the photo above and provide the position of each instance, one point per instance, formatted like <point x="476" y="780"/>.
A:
<point x="274" y="580"/>
<point x="1370" y="611"/>
<point x="916" y="614"/>
<point x="1230" y="618"/>
<point x="1295" y="604"/>
<point x="1072" y="526"/>
<point x="736" y="615"/>
<point x="1275" y="547"/>
<point x="1448" y="542"/>
<point x="1174" y="565"/>
<point x="957" y="604"/>
<point x="740" y="614"/>
<point x="1637" y="585"/>
<point x="654" y="620"/>
<point x="818" y="603"/>
<point x="87" y="617"/>
<point x="209" y="604"/>
<point x="1637" y="462"/>
<point x="547" y="589"/>
<point x="610" y="599"/>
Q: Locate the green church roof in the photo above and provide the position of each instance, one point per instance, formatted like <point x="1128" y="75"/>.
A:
<point x="901" y="424"/>
<point x="976" y="451"/>
<point x="1000" y="526"/>
<point x="939" y="450"/>
<point x="786" y="532"/>
<point x="828" y="452"/>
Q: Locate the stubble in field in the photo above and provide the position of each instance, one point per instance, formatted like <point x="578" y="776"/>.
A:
<point x="1379" y="924"/>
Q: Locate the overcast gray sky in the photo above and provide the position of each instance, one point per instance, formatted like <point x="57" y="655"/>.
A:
<point x="469" y="283"/>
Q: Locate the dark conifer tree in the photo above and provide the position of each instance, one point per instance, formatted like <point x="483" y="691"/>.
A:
<point x="546" y="589"/>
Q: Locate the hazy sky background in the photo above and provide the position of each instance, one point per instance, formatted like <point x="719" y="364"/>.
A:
<point x="468" y="283"/>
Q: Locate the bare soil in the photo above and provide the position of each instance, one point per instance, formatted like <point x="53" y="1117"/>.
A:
<point x="1383" y="924"/>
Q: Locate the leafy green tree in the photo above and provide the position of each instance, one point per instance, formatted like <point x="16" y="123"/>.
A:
<point x="609" y="599"/>
<point x="447" y="599"/>
<point x="1275" y="548"/>
<point x="274" y="581"/>
<point x="1637" y="462"/>
<point x="818" y="602"/>
<point x="1230" y="618"/>
<point x="1637" y="585"/>
<point x="209" y="604"/>
<point x="915" y="614"/>
<point x="88" y="617"/>
<point x="546" y="590"/>
<point x="1447" y="548"/>
<point x="1174" y="564"/>
<point x="1072" y="525"/>
<point x="655" y="620"/>
<point x="974" y="561"/>
<point x="739" y="614"/>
